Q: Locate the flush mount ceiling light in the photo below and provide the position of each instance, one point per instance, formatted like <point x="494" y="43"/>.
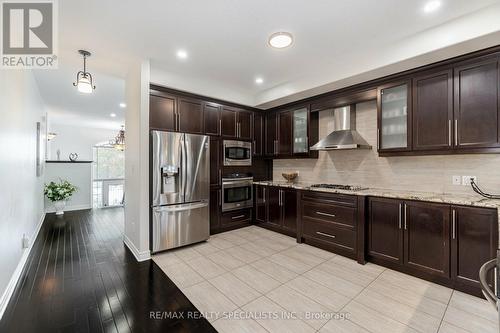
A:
<point x="259" y="80"/>
<point x="280" y="40"/>
<point x="123" y="105"/>
<point x="84" y="81"/>
<point x="112" y="115"/>
<point x="182" y="54"/>
<point x="432" y="6"/>
<point x="51" y="136"/>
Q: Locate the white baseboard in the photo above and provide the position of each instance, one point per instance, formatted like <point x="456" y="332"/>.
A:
<point x="11" y="286"/>
<point x="139" y="256"/>
<point x="68" y="208"/>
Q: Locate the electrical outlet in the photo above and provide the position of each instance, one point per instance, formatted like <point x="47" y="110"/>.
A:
<point x="466" y="180"/>
<point x="456" y="180"/>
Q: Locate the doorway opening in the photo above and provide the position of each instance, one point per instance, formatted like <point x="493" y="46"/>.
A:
<point x="108" y="185"/>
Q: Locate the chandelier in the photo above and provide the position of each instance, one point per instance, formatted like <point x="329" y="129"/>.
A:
<point x="119" y="141"/>
<point x="84" y="81"/>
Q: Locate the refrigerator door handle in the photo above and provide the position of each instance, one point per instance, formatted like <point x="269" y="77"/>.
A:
<point x="180" y="208"/>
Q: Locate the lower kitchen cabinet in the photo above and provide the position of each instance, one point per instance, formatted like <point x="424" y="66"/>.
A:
<point x="385" y="232"/>
<point x="427" y="237"/>
<point x="215" y="207"/>
<point x="236" y="217"/>
<point x="474" y="239"/>
<point x="438" y="242"/>
<point x="276" y="208"/>
<point x="330" y="221"/>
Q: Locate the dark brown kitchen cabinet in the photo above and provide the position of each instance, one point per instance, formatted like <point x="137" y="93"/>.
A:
<point x="215" y="161"/>
<point x="215" y="208"/>
<point x="285" y="133"/>
<point x="276" y="208"/>
<point x="163" y="111"/>
<point x="236" y="218"/>
<point x="394" y="117"/>
<point x="433" y="111"/>
<point x="289" y="209"/>
<point x="330" y="221"/>
<point x="474" y="241"/>
<point x="385" y="232"/>
<point x="189" y="116"/>
<point x="228" y="122"/>
<point x="211" y="115"/>
<point x="261" y="203"/>
<point x="245" y="125"/>
<point x="271" y="135"/>
<point x="236" y="123"/>
<point x="427" y="237"/>
<point x="258" y="134"/>
<point x="477" y="106"/>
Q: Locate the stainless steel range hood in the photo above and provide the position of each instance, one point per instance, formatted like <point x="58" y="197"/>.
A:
<point x="344" y="135"/>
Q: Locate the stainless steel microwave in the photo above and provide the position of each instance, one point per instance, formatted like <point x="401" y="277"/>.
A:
<point x="237" y="153"/>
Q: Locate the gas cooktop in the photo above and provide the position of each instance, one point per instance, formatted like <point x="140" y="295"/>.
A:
<point x="340" y="187"/>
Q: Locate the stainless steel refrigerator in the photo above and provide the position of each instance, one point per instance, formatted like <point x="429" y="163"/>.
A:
<point x="180" y="189"/>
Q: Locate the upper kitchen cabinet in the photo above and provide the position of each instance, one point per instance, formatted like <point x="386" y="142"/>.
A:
<point x="190" y="116"/>
<point x="212" y="119"/>
<point x="236" y="123"/>
<point x="476" y="108"/>
<point x="271" y="134"/>
<point x="433" y="110"/>
<point x="163" y="111"/>
<point x="289" y="132"/>
<point x="285" y="130"/>
<point x="394" y="117"/>
<point x="258" y="134"/>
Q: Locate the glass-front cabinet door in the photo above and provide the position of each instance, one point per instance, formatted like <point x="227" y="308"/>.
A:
<point x="394" y="117"/>
<point x="300" y="134"/>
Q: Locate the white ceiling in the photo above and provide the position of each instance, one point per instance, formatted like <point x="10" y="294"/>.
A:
<point x="65" y="105"/>
<point x="336" y="43"/>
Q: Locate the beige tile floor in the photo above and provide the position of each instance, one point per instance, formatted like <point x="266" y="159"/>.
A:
<point x="267" y="282"/>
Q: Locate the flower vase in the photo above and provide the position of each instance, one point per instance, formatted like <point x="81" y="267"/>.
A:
<point x="59" y="206"/>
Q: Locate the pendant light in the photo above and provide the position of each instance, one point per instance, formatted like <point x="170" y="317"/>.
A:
<point x="119" y="141"/>
<point x="84" y="81"/>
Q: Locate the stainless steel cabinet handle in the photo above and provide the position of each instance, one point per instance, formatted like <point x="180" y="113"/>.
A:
<point x="237" y="217"/>
<point x="456" y="132"/>
<point x="220" y="126"/>
<point x="325" y="214"/>
<point x="405" y="215"/>
<point x="400" y="209"/>
<point x="453" y="223"/>
<point x="326" y="235"/>
<point x="254" y="146"/>
<point x="378" y="138"/>
<point x="220" y="176"/>
<point x="219" y="197"/>
<point x="449" y="133"/>
<point x="264" y="195"/>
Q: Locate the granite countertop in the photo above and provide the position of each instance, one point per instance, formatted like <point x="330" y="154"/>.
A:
<point x="449" y="198"/>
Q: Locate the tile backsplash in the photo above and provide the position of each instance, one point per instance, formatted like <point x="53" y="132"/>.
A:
<point x="364" y="167"/>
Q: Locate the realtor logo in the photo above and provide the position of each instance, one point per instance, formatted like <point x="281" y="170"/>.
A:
<point x="28" y="34"/>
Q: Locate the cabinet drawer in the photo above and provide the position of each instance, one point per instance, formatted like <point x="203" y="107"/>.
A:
<point x="330" y="199"/>
<point x="330" y="233"/>
<point x="236" y="217"/>
<point x="335" y="214"/>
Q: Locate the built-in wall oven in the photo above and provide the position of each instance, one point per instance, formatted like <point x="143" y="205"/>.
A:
<point x="237" y="192"/>
<point x="237" y="153"/>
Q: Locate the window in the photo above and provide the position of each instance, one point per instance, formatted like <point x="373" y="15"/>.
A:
<point x="109" y="174"/>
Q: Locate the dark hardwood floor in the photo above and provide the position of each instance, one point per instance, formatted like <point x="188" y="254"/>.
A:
<point x="80" y="277"/>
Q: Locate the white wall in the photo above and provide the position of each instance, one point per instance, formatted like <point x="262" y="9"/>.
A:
<point x="21" y="195"/>
<point x="76" y="139"/>
<point x="137" y="161"/>
<point x="78" y="174"/>
<point x="366" y="168"/>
